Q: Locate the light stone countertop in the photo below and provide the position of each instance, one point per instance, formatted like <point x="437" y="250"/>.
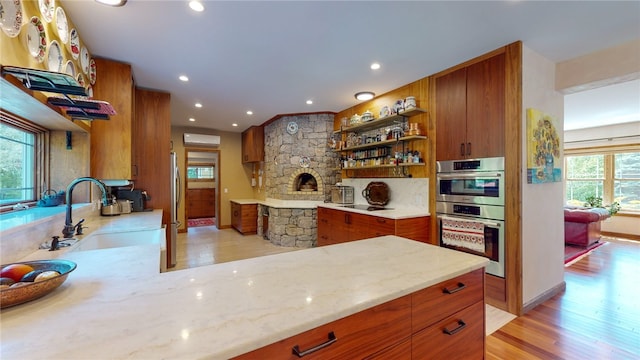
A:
<point x="393" y="213"/>
<point x="116" y="304"/>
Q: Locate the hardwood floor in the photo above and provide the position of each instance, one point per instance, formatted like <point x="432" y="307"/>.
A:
<point x="596" y="317"/>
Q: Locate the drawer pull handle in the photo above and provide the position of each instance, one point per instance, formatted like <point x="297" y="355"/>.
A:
<point x="332" y="338"/>
<point x="460" y="287"/>
<point x="461" y="325"/>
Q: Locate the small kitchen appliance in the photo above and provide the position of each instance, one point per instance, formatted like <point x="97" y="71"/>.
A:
<point x="341" y="194"/>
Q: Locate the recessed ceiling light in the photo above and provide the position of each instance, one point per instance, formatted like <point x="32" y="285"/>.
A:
<point x="196" y="6"/>
<point x="309" y="102"/>
<point x="183" y="78"/>
<point x="112" y="2"/>
<point x="198" y="105"/>
<point x="249" y="112"/>
<point x="192" y="119"/>
<point x="365" y="95"/>
<point x="234" y="124"/>
<point x="375" y="66"/>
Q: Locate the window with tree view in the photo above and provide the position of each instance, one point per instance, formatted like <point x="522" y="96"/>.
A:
<point x="17" y="165"/>
<point x="613" y="177"/>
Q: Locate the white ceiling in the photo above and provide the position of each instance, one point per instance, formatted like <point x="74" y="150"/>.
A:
<point x="270" y="57"/>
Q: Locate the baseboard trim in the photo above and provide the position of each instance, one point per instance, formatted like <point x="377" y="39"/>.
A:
<point x="621" y="235"/>
<point x="544" y="297"/>
<point x="224" y="227"/>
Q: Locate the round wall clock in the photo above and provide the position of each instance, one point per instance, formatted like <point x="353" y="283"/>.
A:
<point x="292" y="127"/>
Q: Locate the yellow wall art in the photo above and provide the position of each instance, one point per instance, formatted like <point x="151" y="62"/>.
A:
<point x="543" y="148"/>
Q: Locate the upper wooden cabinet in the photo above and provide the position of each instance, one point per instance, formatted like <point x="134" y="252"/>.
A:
<point x="111" y="140"/>
<point x="470" y="104"/>
<point x="253" y="144"/>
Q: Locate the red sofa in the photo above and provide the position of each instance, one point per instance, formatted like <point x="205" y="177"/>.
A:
<point x="582" y="226"/>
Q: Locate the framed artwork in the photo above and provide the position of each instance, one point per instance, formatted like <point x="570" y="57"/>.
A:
<point x="543" y="148"/>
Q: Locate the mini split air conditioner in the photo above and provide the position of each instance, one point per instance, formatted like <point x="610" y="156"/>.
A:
<point x="201" y="140"/>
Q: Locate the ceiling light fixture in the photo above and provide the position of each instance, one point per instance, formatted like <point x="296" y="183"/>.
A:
<point x="196" y="6"/>
<point x="365" y="95"/>
<point x="112" y="2"/>
<point x="234" y="124"/>
<point x="375" y="66"/>
<point x="198" y="105"/>
<point x="183" y="78"/>
<point x="249" y="112"/>
<point x="192" y="119"/>
<point x="309" y="102"/>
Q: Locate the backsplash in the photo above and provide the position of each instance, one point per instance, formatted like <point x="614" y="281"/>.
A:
<point x="403" y="192"/>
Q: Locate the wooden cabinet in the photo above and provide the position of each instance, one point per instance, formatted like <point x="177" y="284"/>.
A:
<point x="111" y="140"/>
<point x="253" y="144"/>
<point x="337" y="226"/>
<point x="470" y="105"/>
<point x="244" y="217"/>
<point x="353" y="337"/>
<point x="201" y="203"/>
<point x="443" y="321"/>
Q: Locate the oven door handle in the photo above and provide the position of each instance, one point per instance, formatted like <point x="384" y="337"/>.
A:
<point x="487" y="223"/>
<point x="468" y="175"/>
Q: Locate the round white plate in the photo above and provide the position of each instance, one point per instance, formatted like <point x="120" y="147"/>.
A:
<point x="70" y="69"/>
<point x="54" y="57"/>
<point x="36" y="39"/>
<point x="74" y="44"/>
<point x="92" y="71"/>
<point x="305" y="162"/>
<point x="11" y="17"/>
<point x="62" y="25"/>
<point x="84" y="60"/>
<point x="46" y="9"/>
<point x="80" y="79"/>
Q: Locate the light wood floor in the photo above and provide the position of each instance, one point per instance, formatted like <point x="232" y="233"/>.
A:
<point x="206" y="245"/>
<point x="596" y="317"/>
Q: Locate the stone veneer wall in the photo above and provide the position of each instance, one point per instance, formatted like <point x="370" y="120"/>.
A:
<point x="282" y="154"/>
<point x="290" y="227"/>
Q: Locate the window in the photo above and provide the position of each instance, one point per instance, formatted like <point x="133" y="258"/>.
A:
<point x="17" y="165"/>
<point x="613" y="176"/>
<point x="202" y="172"/>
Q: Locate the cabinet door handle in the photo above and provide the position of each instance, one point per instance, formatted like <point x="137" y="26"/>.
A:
<point x="347" y="219"/>
<point x="461" y="325"/>
<point x="331" y="339"/>
<point x="460" y="287"/>
<point x="468" y="148"/>
<point x="235" y="213"/>
<point x="461" y="149"/>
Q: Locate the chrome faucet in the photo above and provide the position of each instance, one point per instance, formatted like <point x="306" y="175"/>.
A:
<point x="69" y="228"/>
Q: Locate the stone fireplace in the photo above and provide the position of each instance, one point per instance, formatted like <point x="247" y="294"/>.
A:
<point x="304" y="182"/>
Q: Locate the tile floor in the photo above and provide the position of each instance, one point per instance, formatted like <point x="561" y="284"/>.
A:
<point x="207" y="245"/>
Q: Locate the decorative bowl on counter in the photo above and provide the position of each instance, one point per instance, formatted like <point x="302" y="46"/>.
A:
<point x="33" y="290"/>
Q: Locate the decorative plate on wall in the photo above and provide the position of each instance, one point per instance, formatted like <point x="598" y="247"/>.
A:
<point x="36" y="39"/>
<point x="305" y="162"/>
<point x="70" y="69"/>
<point x="61" y="25"/>
<point x="84" y="60"/>
<point x="92" y="71"/>
<point x="11" y="17"/>
<point x="54" y="57"/>
<point x="46" y="9"/>
<point x="292" y="127"/>
<point x="74" y="44"/>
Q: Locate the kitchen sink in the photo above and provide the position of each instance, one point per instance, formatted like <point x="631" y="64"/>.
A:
<point x="124" y="239"/>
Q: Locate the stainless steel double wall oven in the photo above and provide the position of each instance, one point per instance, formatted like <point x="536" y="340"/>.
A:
<point x="472" y="190"/>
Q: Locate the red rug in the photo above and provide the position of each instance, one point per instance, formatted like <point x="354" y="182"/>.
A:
<point x="574" y="253"/>
<point x="201" y="222"/>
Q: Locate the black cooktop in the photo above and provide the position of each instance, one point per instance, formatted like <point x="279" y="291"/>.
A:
<point x="366" y="207"/>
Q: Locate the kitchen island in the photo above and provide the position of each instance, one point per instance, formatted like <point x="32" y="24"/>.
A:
<point x="117" y="305"/>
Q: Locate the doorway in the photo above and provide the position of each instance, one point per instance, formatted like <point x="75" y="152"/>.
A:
<point x="201" y="187"/>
